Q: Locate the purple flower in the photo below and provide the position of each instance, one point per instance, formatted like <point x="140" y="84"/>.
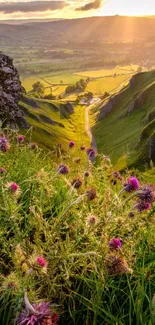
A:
<point x="20" y="138"/>
<point x="131" y="215"/>
<point x="34" y="146"/>
<point x="4" y="144"/>
<point x="115" y="243"/>
<point x="91" y="152"/>
<point x="43" y="315"/>
<point x="71" y="144"/>
<point x="147" y="194"/>
<point x="86" y="174"/>
<point x="131" y="185"/>
<point x="76" y="183"/>
<point x="41" y="261"/>
<point x="141" y="206"/>
<point x="13" y="187"/>
<point x="2" y="170"/>
<point x="63" y="169"/>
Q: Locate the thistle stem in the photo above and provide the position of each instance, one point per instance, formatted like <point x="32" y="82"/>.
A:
<point x="73" y="203"/>
<point x="28" y="304"/>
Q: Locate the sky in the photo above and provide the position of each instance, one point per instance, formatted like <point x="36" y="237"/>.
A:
<point x="22" y="9"/>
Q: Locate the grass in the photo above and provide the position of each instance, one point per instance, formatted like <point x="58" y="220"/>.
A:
<point x="47" y="134"/>
<point x="119" y="133"/>
<point x="77" y="278"/>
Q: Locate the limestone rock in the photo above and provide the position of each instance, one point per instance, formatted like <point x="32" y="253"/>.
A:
<point x="10" y="92"/>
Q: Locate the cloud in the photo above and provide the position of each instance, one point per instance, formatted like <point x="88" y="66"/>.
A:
<point x="91" y="5"/>
<point x="32" y="6"/>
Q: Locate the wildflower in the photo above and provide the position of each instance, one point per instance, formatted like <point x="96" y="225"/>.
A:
<point x="2" y="170"/>
<point x="91" y="194"/>
<point x="131" y="185"/>
<point x="86" y="174"/>
<point x="131" y="214"/>
<point x="91" y="152"/>
<point x="147" y="194"/>
<point x="91" y="220"/>
<point x="4" y="144"/>
<point x="82" y="148"/>
<point x="77" y="183"/>
<point x="41" y="314"/>
<point x="116" y="265"/>
<point x="34" y="146"/>
<point x="41" y="261"/>
<point x="63" y="169"/>
<point x="14" y="189"/>
<point x="71" y="144"/>
<point x="141" y="206"/>
<point x="115" y="243"/>
<point x="20" y="139"/>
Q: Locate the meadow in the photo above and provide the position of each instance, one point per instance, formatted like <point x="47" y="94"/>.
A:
<point x="108" y="72"/>
<point x="76" y="238"/>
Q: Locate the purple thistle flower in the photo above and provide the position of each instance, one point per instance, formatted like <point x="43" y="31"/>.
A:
<point x="147" y="194"/>
<point x="41" y="261"/>
<point x="86" y="174"/>
<point x="141" y="206"/>
<point x="20" y="138"/>
<point x="4" y="144"/>
<point x="131" y="215"/>
<point x="76" y="183"/>
<point x="71" y="144"/>
<point x="115" y="243"/>
<point x="91" y="152"/>
<point x="2" y="170"/>
<point x="63" y="169"/>
<point x="43" y="315"/>
<point x="132" y="185"/>
<point x="13" y="187"/>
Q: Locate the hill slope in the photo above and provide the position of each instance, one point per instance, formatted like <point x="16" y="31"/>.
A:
<point x="125" y="123"/>
<point x="55" y="123"/>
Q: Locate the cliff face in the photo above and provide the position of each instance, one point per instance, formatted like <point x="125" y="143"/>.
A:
<point x="10" y="92"/>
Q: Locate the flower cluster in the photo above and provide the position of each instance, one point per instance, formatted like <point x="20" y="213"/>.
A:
<point x="4" y="144"/>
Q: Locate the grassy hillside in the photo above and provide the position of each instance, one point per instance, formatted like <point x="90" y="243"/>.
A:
<point x="73" y="241"/>
<point x="53" y="124"/>
<point x="126" y="132"/>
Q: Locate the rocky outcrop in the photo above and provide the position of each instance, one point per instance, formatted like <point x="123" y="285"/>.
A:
<point x="30" y="101"/>
<point x="10" y="92"/>
<point x="107" y="108"/>
<point x="69" y="108"/>
<point x="48" y="120"/>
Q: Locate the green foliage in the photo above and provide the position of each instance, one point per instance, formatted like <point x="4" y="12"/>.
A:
<point x="125" y="131"/>
<point x="34" y="223"/>
<point x="38" y="87"/>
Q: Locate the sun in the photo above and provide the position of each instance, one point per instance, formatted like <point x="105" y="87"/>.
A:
<point x="126" y="8"/>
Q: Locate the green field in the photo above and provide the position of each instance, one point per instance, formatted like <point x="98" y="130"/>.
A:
<point x="102" y="85"/>
<point x="108" y="72"/>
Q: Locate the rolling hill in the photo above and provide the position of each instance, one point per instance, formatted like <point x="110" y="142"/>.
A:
<point x="124" y="124"/>
<point x="54" y="123"/>
<point x="93" y="29"/>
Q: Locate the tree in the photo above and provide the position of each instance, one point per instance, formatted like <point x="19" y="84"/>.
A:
<point x="38" y="87"/>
